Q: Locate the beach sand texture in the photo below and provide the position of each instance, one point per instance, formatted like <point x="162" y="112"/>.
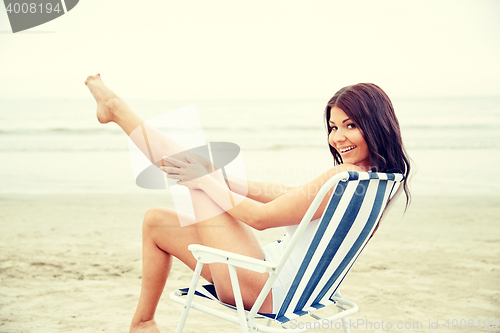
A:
<point x="72" y="263"/>
<point x="71" y="215"/>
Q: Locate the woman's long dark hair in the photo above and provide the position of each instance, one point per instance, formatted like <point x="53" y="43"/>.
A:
<point x="371" y="110"/>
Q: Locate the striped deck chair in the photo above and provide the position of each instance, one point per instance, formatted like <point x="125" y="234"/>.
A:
<point x="352" y="215"/>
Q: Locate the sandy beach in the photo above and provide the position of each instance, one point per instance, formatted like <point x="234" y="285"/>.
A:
<point x="72" y="263"/>
<point x="71" y="218"/>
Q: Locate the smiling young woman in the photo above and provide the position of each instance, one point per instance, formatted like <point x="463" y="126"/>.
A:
<point x="363" y="135"/>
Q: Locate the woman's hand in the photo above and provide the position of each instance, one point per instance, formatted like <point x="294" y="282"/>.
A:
<point x="188" y="173"/>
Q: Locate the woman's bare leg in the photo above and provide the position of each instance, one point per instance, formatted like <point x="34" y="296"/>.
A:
<point x="226" y="233"/>
<point x="164" y="238"/>
<point x="111" y="108"/>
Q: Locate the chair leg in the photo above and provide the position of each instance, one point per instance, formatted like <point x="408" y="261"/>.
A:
<point x="189" y="298"/>
<point x="345" y="326"/>
<point x="238" y="299"/>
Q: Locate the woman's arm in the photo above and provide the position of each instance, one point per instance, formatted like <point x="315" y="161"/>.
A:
<point x="287" y="209"/>
<point x="258" y="191"/>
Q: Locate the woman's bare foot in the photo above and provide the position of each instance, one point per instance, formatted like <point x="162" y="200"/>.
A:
<point x="105" y="98"/>
<point x="145" y="327"/>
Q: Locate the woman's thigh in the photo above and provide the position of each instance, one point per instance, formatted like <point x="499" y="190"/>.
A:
<point x="221" y="232"/>
<point x="226" y="233"/>
<point x="162" y="226"/>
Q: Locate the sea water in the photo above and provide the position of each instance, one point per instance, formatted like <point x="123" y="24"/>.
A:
<point x="57" y="146"/>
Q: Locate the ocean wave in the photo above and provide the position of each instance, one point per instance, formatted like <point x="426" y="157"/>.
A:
<point x="467" y="127"/>
<point x="251" y="128"/>
<point x="246" y="147"/>
<point x="491" y="126"/>
<point x="93" y="131"/>
<point x="57" y="130"/>
<point x="60" y="150"/>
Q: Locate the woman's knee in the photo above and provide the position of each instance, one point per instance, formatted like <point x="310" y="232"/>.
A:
<point x="159" y="217"/>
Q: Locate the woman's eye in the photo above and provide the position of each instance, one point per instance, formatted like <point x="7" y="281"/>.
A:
<point x="334" y="128"/>
<point x="351" y="125"/>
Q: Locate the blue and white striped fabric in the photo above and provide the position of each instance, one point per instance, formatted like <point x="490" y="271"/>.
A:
<point x="349" y="220"/>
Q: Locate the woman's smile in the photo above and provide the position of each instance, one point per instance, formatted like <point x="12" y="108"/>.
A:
<point x="346" y="150"/>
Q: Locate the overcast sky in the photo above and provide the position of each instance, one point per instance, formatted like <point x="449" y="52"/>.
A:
<point x="256" y="49"/>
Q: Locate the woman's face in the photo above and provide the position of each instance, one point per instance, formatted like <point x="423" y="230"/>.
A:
<point x="348" y="140"/>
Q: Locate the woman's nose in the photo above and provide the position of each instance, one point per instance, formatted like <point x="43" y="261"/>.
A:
<point x="337" y="136"/>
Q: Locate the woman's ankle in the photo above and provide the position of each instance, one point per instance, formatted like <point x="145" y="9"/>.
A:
<point x="110" y="109"/>
<point x="149" y="326"/>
